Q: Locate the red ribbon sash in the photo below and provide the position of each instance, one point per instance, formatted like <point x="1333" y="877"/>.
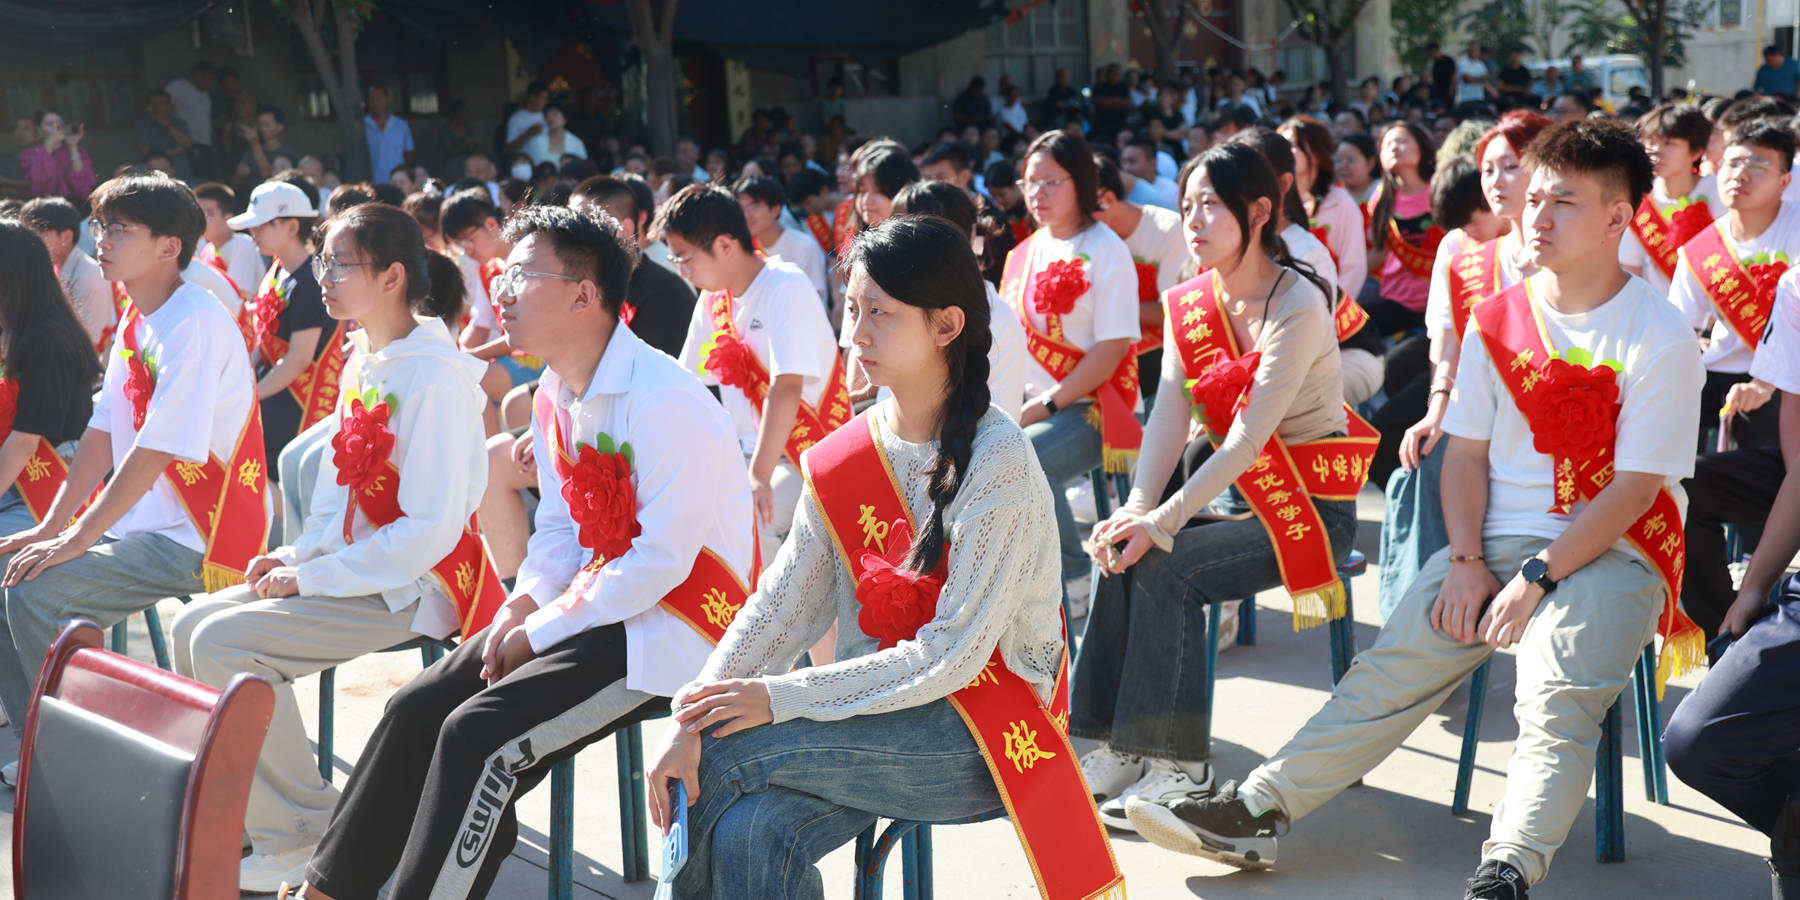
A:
<point x="1121" y="434"/>
<point x="708" y="600"/>
<point x="1516" y="342"/>
<point x="1023" y="740"/>
<point x="1349" y="317"/>
<point x="841" y="231"/>
<point x="1474" y="277"/>
<point x="315" y="389"/>
<point x="1281" y="485"/>
<point x="1731" y="287"/>
<point x="1657" y="235"/>
<point x="810" y="425"/>
<point x="225" y="502"/>
<point x="45" y="471"/>
<point x="1415" y="260"/>
<point x="821" y="232"/>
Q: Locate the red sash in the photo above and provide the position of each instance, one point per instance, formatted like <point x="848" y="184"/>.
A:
<point x="466" y="574"/>
<point x="225" y="502"/>
<point x="1281" y="485"/>
<point x="821" y="232"/>
<point x="1349" y="317"/>
<point x="1516" y="343"/>
<point x="1023" y="740"/>
<point x="212" y="258"/>
<point x="841" y="232"/>
<point x="1657" y="236"/>
<point x="45" y="471"/>
<point x="1474" y="277"/>
<point x="1120" y="432"/>
<point x="1416" y="260"/>
<point x="316" y="387"/>
<point x="708" y="600"/>
<point x="1150" y="336"/>
<point x="730" y="360"/>
<point x="1736" y="291"/>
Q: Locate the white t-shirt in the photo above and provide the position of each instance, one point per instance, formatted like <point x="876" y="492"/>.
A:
<point x="783" y="322"/>
<point x="1342" y="220"/>
<point x="1304" y="246"/>
<point x="475" y="298"/>
<point x="1791" y="193"/>
<point x="1158" y="238"/>
<point x="203" y="393"/>
<point x="1659" y="393"/>
<point x="1006" y="356"/>
<point x="1631" y="250"/>
<point x="193" y="106"/>
<point x="218" y="285"/>
<point x="522" y="119"/>
<point x="1725" y="352"/>
<point x="1109" y="309"/>
<point x="1466" y="91"/>
<point x="1014" y="116"/>
<point x="89" y="293"/>
<point x="1778" y="355"/>
<point x="1438" y="317"/>
<point x="243" y="262"/>
<point x="802" y="251"/>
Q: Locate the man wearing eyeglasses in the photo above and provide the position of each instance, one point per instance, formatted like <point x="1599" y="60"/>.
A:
<point x="297" y="351"/>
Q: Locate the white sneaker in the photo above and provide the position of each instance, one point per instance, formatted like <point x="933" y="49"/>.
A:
<point x="1163" y="784"/>
<point x="1081" y="501"/>
<point x="1228" y="623"/>
<point x="265" y="873"/>
<point x="1079" y="591"/>
<point x="1107" y="772"/>
<point x="9" y="774"/>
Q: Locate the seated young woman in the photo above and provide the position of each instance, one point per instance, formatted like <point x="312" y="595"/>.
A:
<point x="1254" y="358"/>
<point x="949" y="646"/>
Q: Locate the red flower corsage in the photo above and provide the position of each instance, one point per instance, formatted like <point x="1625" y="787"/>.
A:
<point x="1686" y="219"/>
<point x="1766" y="270"/>
<point x="895" y="603"/>
<point x="1574" y="409"/>
<point x="360" y="448"/>
<point x="268" y="319"/>
<point x="1058" y="286"/>
<point x="1224" y="389"/>
<point x="1146" y="274"/>
<point x="140" y="383"/>
<point x="731" y="361"/>
<point x="602" y="499"/>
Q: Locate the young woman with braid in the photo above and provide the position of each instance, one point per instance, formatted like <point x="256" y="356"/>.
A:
<point x="958" y="626"/>
<point x="1258" y="324"/>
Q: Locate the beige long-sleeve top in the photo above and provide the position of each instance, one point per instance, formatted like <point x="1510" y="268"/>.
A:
<point x="1298" y="394"/>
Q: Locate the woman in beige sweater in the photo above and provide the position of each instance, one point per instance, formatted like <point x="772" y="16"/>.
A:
<point x="1140" y="686"/>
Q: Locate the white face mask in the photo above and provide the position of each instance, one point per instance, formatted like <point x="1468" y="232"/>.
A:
<point x="521" y="172"/>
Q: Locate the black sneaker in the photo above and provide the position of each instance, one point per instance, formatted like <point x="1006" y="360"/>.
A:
<point x="1495" y="880"/>
<point x="1219" y="827"/>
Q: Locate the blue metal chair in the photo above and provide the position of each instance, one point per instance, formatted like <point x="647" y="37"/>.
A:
<point x="158" y="644"/>
<point x="1609" y="771"/>
<point x="634" y="831"/>
<point x="914" y="838"/>
<point x="430" y="651"/>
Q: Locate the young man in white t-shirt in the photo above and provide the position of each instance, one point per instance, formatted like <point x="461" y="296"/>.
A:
<point x="1675" y="136"/>
<point x="763" y="199"/>
<point x="1159" y="251"/>
<point x="776" y="315"/>
<point x="1763" y="232"/>
<point x="1572" y="590"/>
<point x="232" y="252"/>
<point x="177" y="395"/>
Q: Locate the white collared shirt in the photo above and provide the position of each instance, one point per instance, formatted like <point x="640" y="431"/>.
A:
<point x="692" y="493"/>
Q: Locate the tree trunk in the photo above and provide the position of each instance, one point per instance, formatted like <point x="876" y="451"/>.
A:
<point x="1335" y="68"/>
<point x="1166" y="36"/>
<point x="653" y="29"/>
<point x="339" y="76"/>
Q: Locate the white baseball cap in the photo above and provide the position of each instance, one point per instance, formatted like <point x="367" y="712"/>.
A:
<point x="273" y="200"/>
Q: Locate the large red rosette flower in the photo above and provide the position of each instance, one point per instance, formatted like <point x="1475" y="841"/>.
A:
<point x="140" y="383"/>
<point x="895" y="603"/>
<point x="360" y="449"/>
<point x="268" y="318"/>
<point x="1574" y="410"/>
<point x="731" y="361"/>
<point x="603" y="502"/>
<point x="1687" y="221"/>
<point x="1223" y="390"/>
<point x="1766" y="273"/>
<point x="9" y="404"/>
<point x="1146" y="275"/>
<point x="1058" y="286"/>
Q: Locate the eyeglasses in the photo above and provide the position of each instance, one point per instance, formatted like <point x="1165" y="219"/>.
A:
<point x="114" y="232"/>
<point x="1044" y="185"/>
<point x="331" y="269"/>
<point x="1748" y="164"/>
<point x="512" y="281"/>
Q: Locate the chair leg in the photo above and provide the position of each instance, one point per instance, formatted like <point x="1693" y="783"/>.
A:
<point x="1656" y="773"/>
<point x="327" y="713"/>
<point x="1343" y="638"/>
<point x="1212" y="669"/>
<point x="158" y="645"/>
<point x="909" y="864"/>
<point x="628" y="826"/>
<point x="1247" y="621"/>
<point x="562" y="829"/>
<point x="1609" y="791"/>
<point x="1465" y="765"/>
<point x="120" y="638"/>
<point x="927" y="890"/>
<point x="865" y="860"/>
<point x="640" y="809"/>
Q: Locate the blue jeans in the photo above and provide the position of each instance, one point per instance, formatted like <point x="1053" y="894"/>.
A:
<point x="1068" y="448"/>
<point x="776" y="799"/>
<point x="1140" y="681"/>
<point x="1413" y="527"/>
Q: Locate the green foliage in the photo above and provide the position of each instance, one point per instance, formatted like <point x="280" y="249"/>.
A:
<point x="1610" y="26"/>
<point x="1416" y="24"/>
<point x="1500" y="25"/>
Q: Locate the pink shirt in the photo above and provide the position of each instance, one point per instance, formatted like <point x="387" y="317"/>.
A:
<point x="52" y="174"/>
<point x="1397" y="284"/>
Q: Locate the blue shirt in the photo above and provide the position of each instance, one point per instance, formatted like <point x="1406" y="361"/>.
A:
<point x="1778" y="81"/>
<point x="387" y="146"/>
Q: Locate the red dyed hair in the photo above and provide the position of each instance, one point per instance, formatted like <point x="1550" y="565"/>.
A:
<point x="1519" y="127"/>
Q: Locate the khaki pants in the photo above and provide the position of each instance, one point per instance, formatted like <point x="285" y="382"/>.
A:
<point x="786" y="486"/>
<point x="1573" y="661"/>
<point x="219" y="635"/>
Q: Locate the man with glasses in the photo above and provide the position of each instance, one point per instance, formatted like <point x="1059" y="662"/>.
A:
<point x="296" y="347"/>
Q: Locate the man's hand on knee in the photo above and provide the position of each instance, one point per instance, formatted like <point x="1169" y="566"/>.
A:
<point x="31" y="561"/>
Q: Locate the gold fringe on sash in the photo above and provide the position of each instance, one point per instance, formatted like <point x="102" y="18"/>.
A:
<point x="1118" y="462"/>
<point x="1116" y="892"/>
<point x="1315" y="608"/>
<point x="218" y="578"/>
<point x="1680" y="653"/>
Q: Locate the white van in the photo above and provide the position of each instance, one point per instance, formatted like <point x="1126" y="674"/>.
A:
<point x="1614" y="75"/>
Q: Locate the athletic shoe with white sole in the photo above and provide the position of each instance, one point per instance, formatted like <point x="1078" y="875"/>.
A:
<point x="265" y="873"/>
<point x="9" y="774"/>
<point x="1219" y="828"/>
<point x="1495" y="880"/>
<point x="1164" y="782"/>
<point x="1107" y="772"/>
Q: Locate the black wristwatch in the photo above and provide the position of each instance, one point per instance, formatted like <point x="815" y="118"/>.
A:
<point x="1537" y="572"/>
<point x="1049" y="404"/>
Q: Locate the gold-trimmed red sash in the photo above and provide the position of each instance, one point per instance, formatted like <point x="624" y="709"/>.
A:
<point x="1513" y="333"/>
<point x="1121" y="434"/>
<point x="1730" y="286"/>
<point x="1656" y="233"/>
<point x="226" y="503"/>
<point x="841" y="231"/>
<point x="810" y="425"/>
<point x="707" y="600"/>
<point x="1349" y="317"/>
<point x="466" y="574"/>
<point x="44" y="471"/>
<point x="1284" y="480"/>
<point x="315" y="389"/>
<point x="1023" y="740"/>
<point x="821" y="232"/>
<point x="1474" y="277"/>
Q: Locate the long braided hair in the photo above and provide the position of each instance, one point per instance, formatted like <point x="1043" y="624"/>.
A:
<point x="925" y="261"/>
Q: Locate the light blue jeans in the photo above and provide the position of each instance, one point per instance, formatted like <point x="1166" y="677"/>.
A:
<point x="1412" y="528"/>
<point x="1068" y="448"/>
<point x="775" y="799"/>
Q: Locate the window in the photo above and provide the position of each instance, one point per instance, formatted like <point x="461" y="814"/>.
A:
<point x="1730" y="13"/>
<point x="879" y="80"/>
<point x="411" y="69"/>
<point x="1047" y="37"/>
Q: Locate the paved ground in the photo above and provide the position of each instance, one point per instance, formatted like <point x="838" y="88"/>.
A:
<point x="1392" y="837"/>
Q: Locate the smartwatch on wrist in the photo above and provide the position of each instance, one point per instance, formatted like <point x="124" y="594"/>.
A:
<point x="1048" y="401"/>
<point x="1536" y="571"/>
